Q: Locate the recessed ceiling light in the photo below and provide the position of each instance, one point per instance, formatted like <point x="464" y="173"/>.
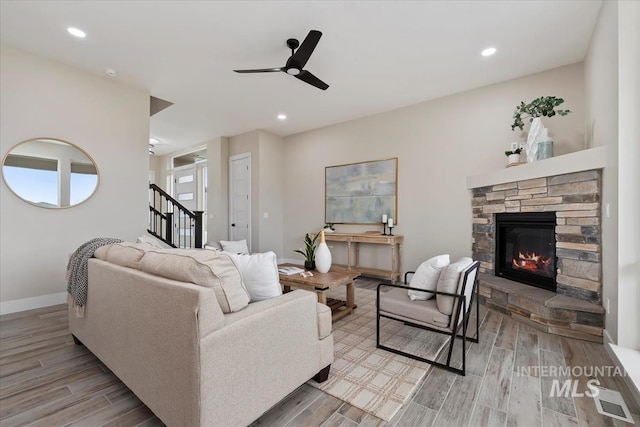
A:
<point x="282" y="116"/>
<point x="489" y="51"/>
<point x="110" y="72"/>
<point x="153" y="140"/>
<point x="76" y="32"/>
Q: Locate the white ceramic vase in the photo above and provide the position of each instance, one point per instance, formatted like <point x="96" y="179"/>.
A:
<point x="535" y="133"/>
<point x="323" y="255"/>
<point x="513" y="159"/>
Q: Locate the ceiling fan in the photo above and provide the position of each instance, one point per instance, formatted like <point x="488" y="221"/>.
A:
<point x="297" y="60"/>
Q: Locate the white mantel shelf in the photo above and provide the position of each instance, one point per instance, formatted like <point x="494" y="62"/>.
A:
<point x="593" y="158"/>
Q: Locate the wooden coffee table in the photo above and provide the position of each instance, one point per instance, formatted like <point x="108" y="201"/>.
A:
<point x="320" y="283"/>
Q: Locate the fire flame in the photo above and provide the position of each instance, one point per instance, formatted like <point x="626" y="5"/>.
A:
<point x="532" y="262"/>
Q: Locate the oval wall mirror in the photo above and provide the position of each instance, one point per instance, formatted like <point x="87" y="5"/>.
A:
<point x="50" y="173"/>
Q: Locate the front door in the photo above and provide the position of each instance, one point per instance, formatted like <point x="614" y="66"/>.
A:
<point x="185" y="192"/>
<point x="240" y="198"/>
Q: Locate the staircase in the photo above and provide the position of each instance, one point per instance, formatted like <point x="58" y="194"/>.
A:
<point x="171" y="222"/>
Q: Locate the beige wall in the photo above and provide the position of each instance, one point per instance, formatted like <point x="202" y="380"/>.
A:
<point x="266" y="187"/>
<point x="41" y="98"/>
<point x="601" y="94"/>
<point x="218" y="189"/>
<point x="438" y="144"/>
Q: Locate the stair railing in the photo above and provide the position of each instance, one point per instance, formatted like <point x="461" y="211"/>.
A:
<point x="171" y="222"/>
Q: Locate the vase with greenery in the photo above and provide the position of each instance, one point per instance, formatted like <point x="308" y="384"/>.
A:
<point x="309" y="252"/>
<point x="545" y="106"/>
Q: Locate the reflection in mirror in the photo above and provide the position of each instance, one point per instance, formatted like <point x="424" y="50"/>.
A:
<point x="50" y="173"/>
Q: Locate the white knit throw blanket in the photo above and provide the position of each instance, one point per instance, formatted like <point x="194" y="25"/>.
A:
<point x="78" y="272"/>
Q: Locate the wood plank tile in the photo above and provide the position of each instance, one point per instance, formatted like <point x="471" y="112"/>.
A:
<point x="337" y="420"/>
<point x="507" y="334"/>
<point x="316" y="413"/>
<point x="492" y="322"/>
<point x="549" y="342"/>
<point x="555" y="419"/>
<point x="497" y="380"/>
<point x="19" y="366"/>
<point x="152" y="422"/>
<point x="135" y="417"/>
<point x="71" y="411"/>
<point x="20" y="403"/>
<point x="463" y="394"/>
<point x="551" y="384"/>
<point x="416" y="416"/>
<point x="478" y="355"/>
<point x="525" y="401"/>
<point x="108" y="413"/>
<point x="289" y="407"/>
<point x="487" y="417"/>
<point x="527" y="355"/>
<point x="354" y="414"/>
<point x="371" y="421"/>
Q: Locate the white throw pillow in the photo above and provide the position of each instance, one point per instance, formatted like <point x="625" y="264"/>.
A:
<point x="259" y="274"/>
<point x="449" y="282"/>
<point x="235" y="246"/>
<point x="426" y="277"/>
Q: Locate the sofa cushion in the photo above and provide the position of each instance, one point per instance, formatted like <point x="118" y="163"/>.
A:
<point x="235" y="246"/>
<point x="259" y="274"/>
<point x="211" y="269"/>
<point x="426" y="277"/>
<point x="450" y="281"/>
<point x="125" y="254"/>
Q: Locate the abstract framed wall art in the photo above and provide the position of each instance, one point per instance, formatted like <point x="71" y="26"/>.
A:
<point x="360" y="193"/>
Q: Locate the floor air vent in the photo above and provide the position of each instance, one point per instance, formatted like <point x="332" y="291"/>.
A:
<point x="611" y="404"/>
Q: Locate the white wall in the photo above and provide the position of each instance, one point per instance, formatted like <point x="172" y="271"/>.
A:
<point x="629" y="176"/>
<point x="601" y="94"/>
<point x="41" y="98"/>
<point x="218" y="189"/>
<point x="438" y="144"/>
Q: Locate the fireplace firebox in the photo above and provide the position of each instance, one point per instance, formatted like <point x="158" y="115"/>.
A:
<point x="526" y="248"/>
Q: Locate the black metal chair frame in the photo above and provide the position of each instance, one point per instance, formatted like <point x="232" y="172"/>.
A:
<point x="461" y="298"/>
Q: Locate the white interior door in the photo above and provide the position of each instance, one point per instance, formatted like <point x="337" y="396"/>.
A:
<point x="240" y="198"/>
<point x="185" y="191"/>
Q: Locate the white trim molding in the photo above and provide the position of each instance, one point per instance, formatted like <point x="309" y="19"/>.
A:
<point x="14" y="306"/>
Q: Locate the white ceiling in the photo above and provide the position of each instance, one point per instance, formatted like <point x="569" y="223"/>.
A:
<point x="375" y="55"/>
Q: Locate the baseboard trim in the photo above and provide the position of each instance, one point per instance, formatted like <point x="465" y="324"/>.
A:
<point x="626" y="359"/>
<point x="14" y="306"/>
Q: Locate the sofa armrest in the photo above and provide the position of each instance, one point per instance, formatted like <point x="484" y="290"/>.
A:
<point x="271" y="347"/>
<point x="324" y="320"/>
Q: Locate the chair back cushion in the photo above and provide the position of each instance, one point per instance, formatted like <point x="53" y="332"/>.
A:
<point x="450" y="281"/>
<point x="467" y="284"/>
<point x="426" y="277"/>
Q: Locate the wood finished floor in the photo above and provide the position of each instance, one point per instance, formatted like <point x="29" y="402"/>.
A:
<point x="46" y="380"/>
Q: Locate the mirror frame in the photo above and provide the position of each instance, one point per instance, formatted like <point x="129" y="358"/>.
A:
<point x="4" y="159"/>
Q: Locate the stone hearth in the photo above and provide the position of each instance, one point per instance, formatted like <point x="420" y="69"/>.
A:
<point x="574" y="194"/>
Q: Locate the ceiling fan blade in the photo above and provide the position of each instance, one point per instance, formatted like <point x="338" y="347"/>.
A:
<point x="307" y="77"/>
<point x="306" y="48"/>
<point x="260" y="70"/>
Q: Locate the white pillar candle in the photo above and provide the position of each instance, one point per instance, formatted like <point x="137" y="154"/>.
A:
<point x="384" y="218"/>
<point x="390" y="223"/>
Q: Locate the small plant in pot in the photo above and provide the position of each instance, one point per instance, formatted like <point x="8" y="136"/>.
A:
<point x="309" y="253"/>
<point x="328" y="228"/>
<point x="513" y="156"/>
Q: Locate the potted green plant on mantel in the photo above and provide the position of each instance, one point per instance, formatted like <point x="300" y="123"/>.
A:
<point x="513" y="157"/>
<point x="545" y="106"/>
<point x="309" y="253"/>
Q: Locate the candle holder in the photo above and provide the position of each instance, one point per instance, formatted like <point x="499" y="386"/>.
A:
<point x="391" y="230"/>
<point x="384" y="228"/>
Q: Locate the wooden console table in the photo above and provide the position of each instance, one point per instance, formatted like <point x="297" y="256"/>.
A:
<point x="395" y="242"/>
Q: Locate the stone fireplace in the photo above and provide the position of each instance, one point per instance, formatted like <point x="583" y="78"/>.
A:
<point x="562" y="259"/>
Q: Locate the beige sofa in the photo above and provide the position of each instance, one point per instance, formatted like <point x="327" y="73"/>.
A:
<point x="191" y="364"/>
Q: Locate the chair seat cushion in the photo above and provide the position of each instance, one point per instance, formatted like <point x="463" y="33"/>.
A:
<point x="397" y="302"/>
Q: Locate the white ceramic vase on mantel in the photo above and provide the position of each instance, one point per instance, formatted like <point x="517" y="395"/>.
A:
<point x="535" y="132"/>
<point x="323" y="255"/>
